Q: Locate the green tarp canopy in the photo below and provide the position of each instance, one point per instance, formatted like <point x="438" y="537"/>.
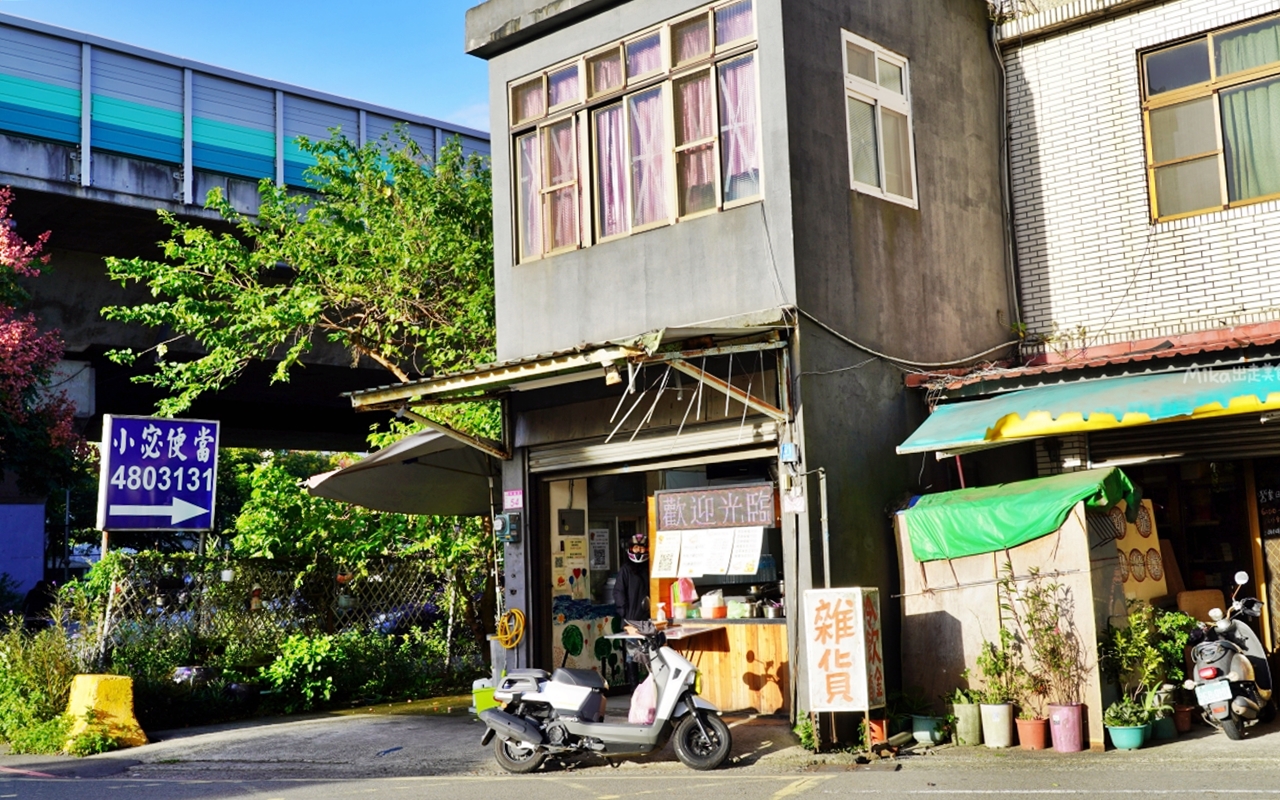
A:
<point x="969" y="522"/>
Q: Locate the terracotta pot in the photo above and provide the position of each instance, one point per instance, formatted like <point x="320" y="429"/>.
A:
<point x="1033" y="734"/>
<point x="1182" y="718"/>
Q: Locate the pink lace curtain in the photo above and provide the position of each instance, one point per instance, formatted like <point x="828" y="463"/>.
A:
<point x="644" y="55"/>
<point x="530" y="101"/>
<point x="562" y="213"/>
<point x="739" y="148"/>
<point x="692" y="39"/>
<point x="648" y="158"/>
<point x="563" y="86"/>
<point x="530" y="220"/>
<point x="606" y="73"/>
<point x="734" y="22"/>
<point x="696" y="165"/>
<point x="611" y="162"/>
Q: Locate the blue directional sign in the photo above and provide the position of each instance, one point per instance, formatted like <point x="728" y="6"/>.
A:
<point x="157" y="474"/>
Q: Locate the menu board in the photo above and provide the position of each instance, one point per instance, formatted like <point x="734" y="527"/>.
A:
<point x="666" y="554"/>
<point x="718" y="551"/>
<point x="1269" y="512"/>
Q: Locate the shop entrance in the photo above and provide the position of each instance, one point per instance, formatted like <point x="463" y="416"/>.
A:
<point x="592" y="519"/>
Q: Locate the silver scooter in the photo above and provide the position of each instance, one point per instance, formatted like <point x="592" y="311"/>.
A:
<point x="563" y="714"/>
<point x="1231" y="677"/>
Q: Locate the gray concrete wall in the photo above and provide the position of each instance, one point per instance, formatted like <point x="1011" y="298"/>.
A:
<point x="710" y="267"/>
<point x="927" y="284"/>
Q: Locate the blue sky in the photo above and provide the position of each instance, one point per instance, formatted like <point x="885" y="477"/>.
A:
<point x="405" y="54"/>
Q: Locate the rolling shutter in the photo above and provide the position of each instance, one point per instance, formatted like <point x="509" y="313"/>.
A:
<point x="1238" y="436"/>
<point x="756" y="438"/>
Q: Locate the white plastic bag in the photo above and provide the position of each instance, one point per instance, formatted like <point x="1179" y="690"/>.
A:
<point x="644" y="703"/>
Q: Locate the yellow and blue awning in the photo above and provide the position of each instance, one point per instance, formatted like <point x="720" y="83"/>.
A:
<point x="1095" y="405"/>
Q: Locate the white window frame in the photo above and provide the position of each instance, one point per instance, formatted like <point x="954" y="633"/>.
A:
<point x="881" y="98"/>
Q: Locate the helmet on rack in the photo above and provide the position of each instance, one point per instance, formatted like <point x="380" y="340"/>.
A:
<point x="638" y="548"/>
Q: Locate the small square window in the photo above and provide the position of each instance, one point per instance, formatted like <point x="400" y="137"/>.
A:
<point x="528" y="101"/>
<point x="564" y="86"/>
<point x="691" y="40"/>
<point x="890" y="75"/>
<point x="735" y="22"/>
<point x="860" y="62"/>
<point x="605" y="72"/>
<point x="644" y="56"/>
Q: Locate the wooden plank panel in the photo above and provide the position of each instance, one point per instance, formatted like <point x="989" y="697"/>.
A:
<point x="744" y="667"/>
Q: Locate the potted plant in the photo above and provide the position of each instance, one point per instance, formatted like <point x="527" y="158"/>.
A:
<point x="1125" y="721"/>
<point x="926" y="727"/>
<point x="1001" y="673"/>
<point x="1043" y="612"/>
<point x="1174" y="629"/>
<point x="964" y="706"/>
<point x="1131" y="660"/>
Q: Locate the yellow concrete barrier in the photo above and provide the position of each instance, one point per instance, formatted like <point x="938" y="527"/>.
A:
<point x="109" y="698"/>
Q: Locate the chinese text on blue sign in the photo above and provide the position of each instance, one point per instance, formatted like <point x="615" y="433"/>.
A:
<point x="157" y="474"/>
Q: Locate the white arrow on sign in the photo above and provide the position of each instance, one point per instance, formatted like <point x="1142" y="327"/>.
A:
<point x="179" y="511"/>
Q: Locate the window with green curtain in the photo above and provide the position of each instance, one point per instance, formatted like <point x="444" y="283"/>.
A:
<point x="1251" y="138"/>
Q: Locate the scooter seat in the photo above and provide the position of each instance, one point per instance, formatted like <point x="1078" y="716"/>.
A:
<point x="578" y="677"/>
<point x="539" y="674"/>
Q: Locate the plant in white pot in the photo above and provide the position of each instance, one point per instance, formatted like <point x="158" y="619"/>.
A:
<point x="965" y="707"/>
<point x="1002" y="675"/>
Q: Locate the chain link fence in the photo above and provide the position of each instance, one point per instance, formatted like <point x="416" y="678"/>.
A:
<point x="255" y="603"/>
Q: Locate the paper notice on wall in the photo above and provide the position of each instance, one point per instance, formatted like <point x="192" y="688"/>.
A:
<point x="665" y="554"/>
<point x="713" y="548"/>
<point x="745" y="556"/>
<point x="598" y="539"/>
<point x="693" y="554"/>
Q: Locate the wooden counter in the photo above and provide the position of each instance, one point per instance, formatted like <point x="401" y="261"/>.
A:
<point x="744" y="663"/>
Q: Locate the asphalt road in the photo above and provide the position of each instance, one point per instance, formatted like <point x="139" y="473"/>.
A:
<point x="392" y="754"/>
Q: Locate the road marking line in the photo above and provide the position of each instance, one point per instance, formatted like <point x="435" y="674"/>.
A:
<point x="27" y="772"/>
<point x="802" y="785"/>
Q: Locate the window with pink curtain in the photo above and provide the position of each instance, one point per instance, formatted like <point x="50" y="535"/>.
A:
<point x="648" y="157"/>
<point x="563" y="86"/>
<point x="734" y="22"/>
<point x="606" y="72"/>
<point x="644" y="55"/>
<point x="611" y="167"/>
<point x="561" y="176"/>
<point x="528" y="218"/>
<point x="691" y="39"/>
<point x="695" y="145"/>
<point x="739" y="134"/>
<point x="529" y="101"/>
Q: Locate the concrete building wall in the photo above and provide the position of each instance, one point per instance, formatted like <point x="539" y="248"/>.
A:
<point x="926" y="284"/>
<point x="1092" y="264"/>
<point x="696" y="270"/>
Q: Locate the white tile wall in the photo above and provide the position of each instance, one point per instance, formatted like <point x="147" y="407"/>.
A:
<point x="1089" y="256"/>
<point x="1073" y="455"/>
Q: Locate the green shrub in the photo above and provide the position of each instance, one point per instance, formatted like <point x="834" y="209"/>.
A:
<point x="36" y="670"/>
<point x="41" y="738"/>
<point x="806" y="733"/>
<point x="94" y="739"/>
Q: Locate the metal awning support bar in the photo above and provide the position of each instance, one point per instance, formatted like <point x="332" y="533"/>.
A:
<point x="728" y="389"/>
<point x="495" y="449"/>
<point x="485" y="379"/>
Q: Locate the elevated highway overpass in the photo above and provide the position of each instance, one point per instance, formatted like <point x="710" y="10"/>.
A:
<point x="96" y="135"/>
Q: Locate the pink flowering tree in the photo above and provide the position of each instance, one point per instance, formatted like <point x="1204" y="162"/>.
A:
<point x="37" y="440"/>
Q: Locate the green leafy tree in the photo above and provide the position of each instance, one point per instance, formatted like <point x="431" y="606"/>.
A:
<point x="390" y="256"/>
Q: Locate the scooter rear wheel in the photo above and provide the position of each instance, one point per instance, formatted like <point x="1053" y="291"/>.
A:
<point x="700" y="752"/>
<point x="513" y="757"/>
<point x="1231" y="727"/>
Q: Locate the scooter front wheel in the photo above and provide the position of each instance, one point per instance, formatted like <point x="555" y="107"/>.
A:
<point x="517" y="758"/>
<point x="702" y="751"/>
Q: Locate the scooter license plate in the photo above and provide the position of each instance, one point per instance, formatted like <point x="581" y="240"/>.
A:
<point x="1215" y="692"/>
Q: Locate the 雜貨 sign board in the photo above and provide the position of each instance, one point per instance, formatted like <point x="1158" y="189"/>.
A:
<point x="157" y="474"/>
<point x="843" y="649"/>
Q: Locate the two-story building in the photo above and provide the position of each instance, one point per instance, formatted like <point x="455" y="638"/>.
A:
<point x="724" y="232"/>
<point x="1145" y="163"/>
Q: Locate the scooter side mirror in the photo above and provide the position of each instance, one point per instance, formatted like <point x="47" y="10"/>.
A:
<point x="1242" y="578"/>
<point x="1215" y="614"/>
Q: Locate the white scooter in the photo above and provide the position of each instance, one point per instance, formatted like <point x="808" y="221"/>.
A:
<point x="1232" y="679"/>
<point x="563" y="714"/>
